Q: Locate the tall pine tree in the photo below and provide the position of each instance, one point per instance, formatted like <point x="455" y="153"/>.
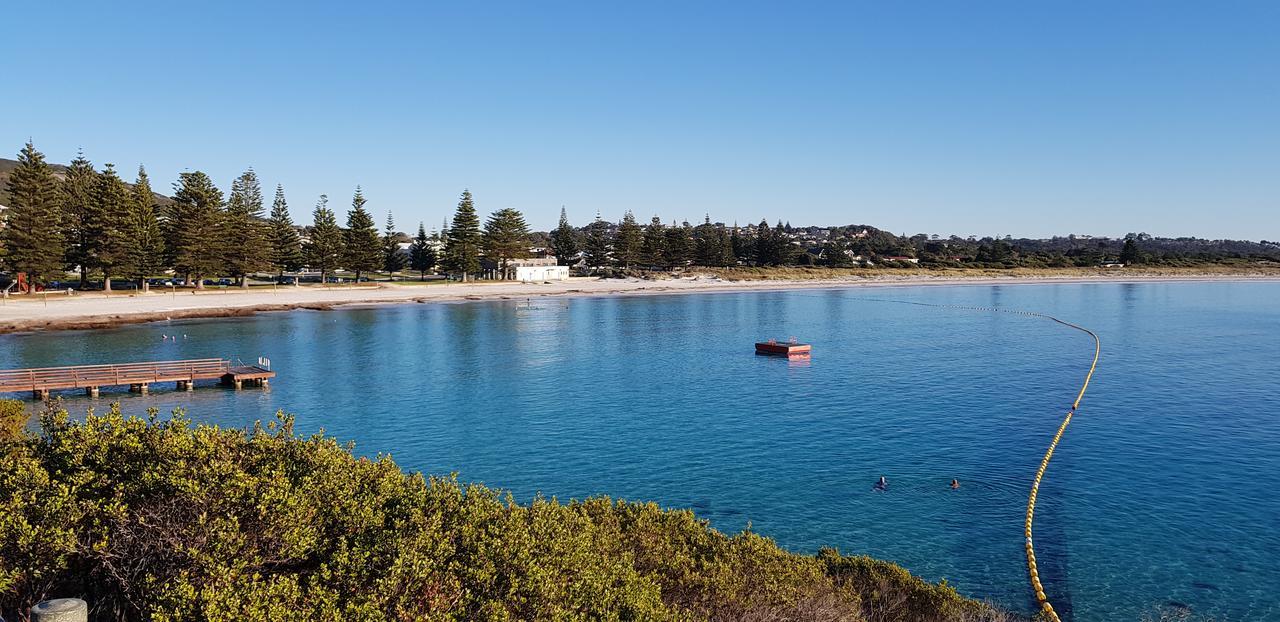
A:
<point x="392" y="259"/>
<point x="629" y="249"/>
<point x="32" y="232"/>
<point x="784" y="252"/>
<point x="599" y="244"/>
<point x="79" y="213"/>
<point x="679" y="245"/>
<point x="565" y="242"/>
<point x="324" y="248"/>
<point x="706" y="244"/>
<point x="655" y="243"/>
<point x="505" y="238"/>
<point x="286" y="248"/>
<point x="246" y="245"/>
<point x="363" y="247"/>
<point x="422" y="255"/>
<point x="146" y="242"/>
<point x="764" y="245"/>
<point x="728" y="252"/>
<point x="196" y="227"/>
<point x="462" y="248"/>
<point x="109" y="233"/>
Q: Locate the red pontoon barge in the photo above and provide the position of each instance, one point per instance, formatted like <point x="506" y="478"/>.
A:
<point x="773" y="348"/>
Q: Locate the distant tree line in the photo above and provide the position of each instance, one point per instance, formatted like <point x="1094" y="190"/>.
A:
<point x="656" y="245"/>
<point x="666" y="246"/>
<point x="93" y="222"/>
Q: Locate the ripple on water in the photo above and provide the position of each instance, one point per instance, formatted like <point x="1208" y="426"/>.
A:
<point x="1161" y="494"/>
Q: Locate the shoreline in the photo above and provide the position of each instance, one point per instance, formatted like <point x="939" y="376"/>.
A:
<point x="97" y="311"/>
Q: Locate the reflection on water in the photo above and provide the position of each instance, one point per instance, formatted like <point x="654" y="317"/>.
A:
<point x="661" y="397"/>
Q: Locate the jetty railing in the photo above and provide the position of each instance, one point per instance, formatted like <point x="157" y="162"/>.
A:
<point x="91" y="376"/>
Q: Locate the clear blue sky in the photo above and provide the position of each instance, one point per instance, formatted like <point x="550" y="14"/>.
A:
<point x="986" y="118"/>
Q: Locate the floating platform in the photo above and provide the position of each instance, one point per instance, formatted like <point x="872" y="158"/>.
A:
<point x="773" y="347"/>
<point x="137" y="376"/>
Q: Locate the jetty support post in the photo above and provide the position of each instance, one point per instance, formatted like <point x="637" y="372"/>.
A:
<point x="91" y="391"/>
<point x="61" y="610"/>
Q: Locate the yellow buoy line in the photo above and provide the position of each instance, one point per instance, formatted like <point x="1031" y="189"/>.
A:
<point x="1033" y="571"/>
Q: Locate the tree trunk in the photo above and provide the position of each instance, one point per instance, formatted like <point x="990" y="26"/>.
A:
<point x="106" y="282"/>
<point x="199" y="281"/>
<point x="244" y="282"/>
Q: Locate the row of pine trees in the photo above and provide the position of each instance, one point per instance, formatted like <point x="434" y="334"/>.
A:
<point x="94" y="222"/>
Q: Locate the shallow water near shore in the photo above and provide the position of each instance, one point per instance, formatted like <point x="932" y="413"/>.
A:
<point x="1161" y="495"/>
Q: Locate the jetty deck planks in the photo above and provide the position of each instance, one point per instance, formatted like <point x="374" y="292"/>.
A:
<point x="137" y="376"/>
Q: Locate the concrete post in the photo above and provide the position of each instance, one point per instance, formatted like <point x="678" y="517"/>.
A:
<point x="238" y="383"/>
<point x="61" y="610"/>
<point x="91" y="391"/>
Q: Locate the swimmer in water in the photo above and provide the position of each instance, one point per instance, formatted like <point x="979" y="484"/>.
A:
<point x="955" y="484"/>
<point x="883" y="484"/>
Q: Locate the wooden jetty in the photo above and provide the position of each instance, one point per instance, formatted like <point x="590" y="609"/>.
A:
<point x="138" y="376"/>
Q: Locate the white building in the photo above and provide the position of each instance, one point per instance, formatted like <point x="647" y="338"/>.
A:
<point x="539" y="269"/>
<point x="538" y="274"/>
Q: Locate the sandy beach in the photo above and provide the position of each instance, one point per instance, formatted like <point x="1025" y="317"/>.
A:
<point x="96" y="310"/>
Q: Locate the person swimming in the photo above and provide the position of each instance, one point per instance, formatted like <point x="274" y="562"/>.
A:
<point x="955" y="484"/>
<point x="881" y="485"/>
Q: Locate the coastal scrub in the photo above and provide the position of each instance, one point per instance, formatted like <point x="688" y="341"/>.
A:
<point x="161" y="519"/>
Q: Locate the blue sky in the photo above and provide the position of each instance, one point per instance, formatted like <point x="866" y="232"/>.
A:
<point x="984" y="118"/>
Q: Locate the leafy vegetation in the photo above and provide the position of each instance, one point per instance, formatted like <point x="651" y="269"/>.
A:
<point x="162" y="520"/>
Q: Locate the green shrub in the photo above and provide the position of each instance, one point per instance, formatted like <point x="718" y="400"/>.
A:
<point x="13" y="419"/>
<point x="162" y="520"/>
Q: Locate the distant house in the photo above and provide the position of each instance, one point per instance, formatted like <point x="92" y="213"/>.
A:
<point x="538" y="269"/>
<point x="536" y="274"/>
<point x="901" y="258"/>
<point x="528" y="270"/>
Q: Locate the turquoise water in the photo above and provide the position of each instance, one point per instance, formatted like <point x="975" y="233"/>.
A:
<point x="1163" y="493"/>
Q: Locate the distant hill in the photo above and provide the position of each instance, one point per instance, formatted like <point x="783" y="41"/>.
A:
<point x="59" y="170"/>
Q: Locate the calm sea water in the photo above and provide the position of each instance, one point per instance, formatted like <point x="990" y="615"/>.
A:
<point x="1164" y="494"/>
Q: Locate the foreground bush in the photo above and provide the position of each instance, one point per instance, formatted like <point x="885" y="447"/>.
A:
<point x="162" y="520"/>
